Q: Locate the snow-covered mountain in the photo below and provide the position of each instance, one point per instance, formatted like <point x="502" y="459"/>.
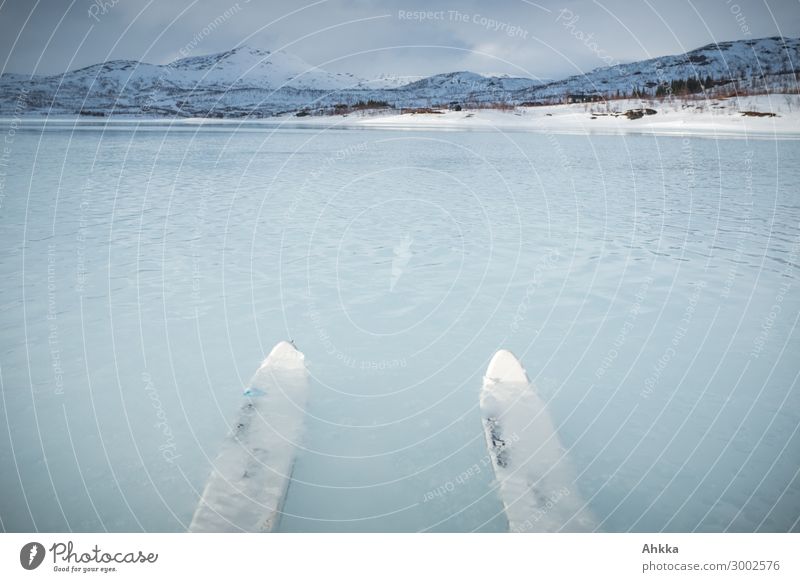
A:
<point x="764" y="63"/>
<point x="387" y="81"/>
<point x="248" y="67"/>
<point x="465" y="82"/>
<point x="248" y="81"/>
<point x="124" y="86"/>
<point x="462" y="87"/>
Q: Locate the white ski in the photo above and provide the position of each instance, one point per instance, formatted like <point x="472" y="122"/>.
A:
<point x="533" y="475"/>
<point x="250" y="477"/>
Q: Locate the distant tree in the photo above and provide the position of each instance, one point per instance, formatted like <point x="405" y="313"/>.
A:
<point x="678" y="86"/>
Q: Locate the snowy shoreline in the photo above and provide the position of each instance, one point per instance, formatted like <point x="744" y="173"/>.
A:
<point x="714" y="117"/>
<point x="723" y="118"/>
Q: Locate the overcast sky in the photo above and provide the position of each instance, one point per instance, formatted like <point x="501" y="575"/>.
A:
<point x="544" y="39"/>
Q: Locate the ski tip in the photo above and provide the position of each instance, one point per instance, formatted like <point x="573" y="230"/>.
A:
<point x="284" y="355"/>
<point x="505" y="367"/>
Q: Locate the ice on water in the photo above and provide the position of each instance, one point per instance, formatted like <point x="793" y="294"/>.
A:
<point x="648" y="284"/>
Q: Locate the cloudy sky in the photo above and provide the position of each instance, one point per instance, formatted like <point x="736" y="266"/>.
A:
<point x="543" y="38"/>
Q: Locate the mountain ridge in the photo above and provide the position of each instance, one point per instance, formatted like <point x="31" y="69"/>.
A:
<point x="249" y="81"/>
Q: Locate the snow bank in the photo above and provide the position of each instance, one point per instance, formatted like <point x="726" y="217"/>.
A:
<point x="718" y="117"/>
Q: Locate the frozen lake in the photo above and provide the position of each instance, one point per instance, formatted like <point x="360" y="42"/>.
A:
<point x="649" y="285"/>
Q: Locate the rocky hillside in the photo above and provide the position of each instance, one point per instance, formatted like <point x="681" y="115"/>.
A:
<point x="766" y="64"/>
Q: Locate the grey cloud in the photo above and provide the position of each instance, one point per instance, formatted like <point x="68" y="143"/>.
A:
<point x="370" y="38"/>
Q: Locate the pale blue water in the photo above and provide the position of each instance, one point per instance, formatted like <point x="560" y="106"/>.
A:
<point x="649" y="285"/>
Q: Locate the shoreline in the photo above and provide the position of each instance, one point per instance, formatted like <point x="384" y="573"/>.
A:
<point x="718" y="118"/>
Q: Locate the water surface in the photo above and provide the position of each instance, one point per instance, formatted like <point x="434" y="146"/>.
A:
<point x="649" y="285"/>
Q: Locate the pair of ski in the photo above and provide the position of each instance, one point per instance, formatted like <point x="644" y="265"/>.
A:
<point x="251" y="475"/>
